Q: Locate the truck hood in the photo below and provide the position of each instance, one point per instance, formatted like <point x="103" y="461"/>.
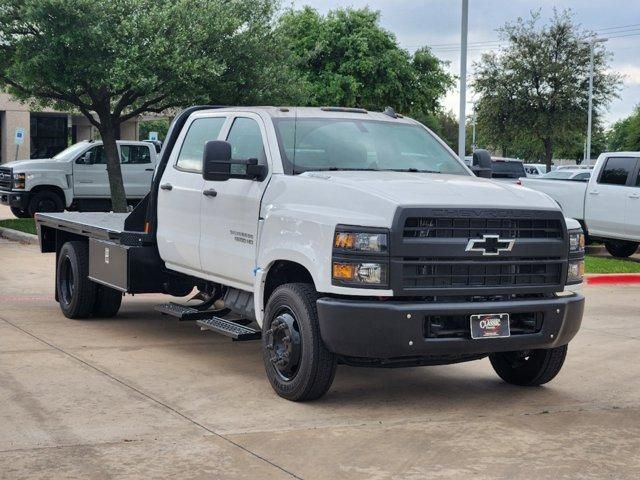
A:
<point x="38" y="165"/>
<point x="427" y="189"/>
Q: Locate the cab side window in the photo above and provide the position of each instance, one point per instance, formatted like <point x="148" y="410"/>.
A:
<point x="246" y="140"/>
<point x="200" y="132"/>
<point x="94" y="155"/>
<point x="617" y="170"/>
<point x="134" y="154"/>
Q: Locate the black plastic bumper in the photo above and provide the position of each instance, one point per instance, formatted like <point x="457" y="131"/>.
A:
<point x="395" y="330"/>
<point x="14" y="199"/>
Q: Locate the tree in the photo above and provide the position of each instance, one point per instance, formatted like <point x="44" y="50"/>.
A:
<point x="625" y="133"/>
<point x="347" y="59"/>
<point x="113" y="60"/>
<point x="534" y="93"/>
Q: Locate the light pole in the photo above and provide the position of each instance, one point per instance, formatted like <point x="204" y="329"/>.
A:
<point x="592" y="44"/>
<point x="463" y="78"/>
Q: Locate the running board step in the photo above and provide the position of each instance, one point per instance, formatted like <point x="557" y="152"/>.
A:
<point x="183" y="312"/>
<point x="229" y="329"/>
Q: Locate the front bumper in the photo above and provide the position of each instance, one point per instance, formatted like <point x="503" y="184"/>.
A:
<point x="14" y="199"/>
<point x="395" y="329"/>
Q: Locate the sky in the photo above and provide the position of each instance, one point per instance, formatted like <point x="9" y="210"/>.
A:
<point x="436" y="23"/>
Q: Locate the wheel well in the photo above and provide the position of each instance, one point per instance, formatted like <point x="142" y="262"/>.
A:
<point x="284" y="271"/>
<point x="50" y="188"/>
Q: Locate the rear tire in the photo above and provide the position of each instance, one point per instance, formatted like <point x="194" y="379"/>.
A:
<point x="45" y="201"/>
<point x="298" y="365"/>
<point x="20" y="212"/>
<point x="529" y="368"/>
<point x="107" y="303"/>
<point x="621" y="248"/>
<point x="76" y="293"/>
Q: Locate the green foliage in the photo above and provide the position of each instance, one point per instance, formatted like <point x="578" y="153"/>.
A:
<point x="113" y="60"/>
<point x="161" y="126"/>
<point x="26" y="225"/>
<point x="347" y="59"/>
<point x="625" y="133"/>
<point x="534" y="93"/>
<point x="610" y="265"/>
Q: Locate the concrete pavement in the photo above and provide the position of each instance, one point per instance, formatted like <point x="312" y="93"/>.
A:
<point x="144" y="396"/>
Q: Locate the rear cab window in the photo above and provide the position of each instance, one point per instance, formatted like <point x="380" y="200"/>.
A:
<point x="502" y="169"/>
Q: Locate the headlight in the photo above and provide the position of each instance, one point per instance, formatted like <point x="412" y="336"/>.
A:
<point x="576" y="271"/>
<point x="576" y="241"/>
<point x="19" y="180"/>
<point x="359" y="273"/>
<point x="366" y="242"/>
<point x="360" y="257"/>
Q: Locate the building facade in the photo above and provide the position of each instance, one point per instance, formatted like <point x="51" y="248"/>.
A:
<point x="46" y="132"/>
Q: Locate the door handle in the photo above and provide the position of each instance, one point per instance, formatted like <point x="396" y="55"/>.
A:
<point x="634" y="195"/>
<point x="210" y="193"/>
<point x="594" y="192"/>
<point x="148" y="169"/>
<point x="166" y="186"/>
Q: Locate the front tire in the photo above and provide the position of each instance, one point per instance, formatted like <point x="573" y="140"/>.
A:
<point x="76" y="293"/>
<point x="621" y="248"/>
<point x="45" y="201"/>
<point x="529" y="368"/>
<point x="20" y="212"/>
<point x="298" y="365"/>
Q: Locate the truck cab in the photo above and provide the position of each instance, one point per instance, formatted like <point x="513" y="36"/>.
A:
<point x="606" y="206"/>
<point x="335" y="235"/>
<point x="75" y="179"/>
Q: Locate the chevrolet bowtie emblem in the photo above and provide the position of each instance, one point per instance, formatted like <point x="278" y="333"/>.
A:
<point x="490" y="245"/>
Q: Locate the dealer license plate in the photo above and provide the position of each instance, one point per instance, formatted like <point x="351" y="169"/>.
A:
<point x="490" y="325"/>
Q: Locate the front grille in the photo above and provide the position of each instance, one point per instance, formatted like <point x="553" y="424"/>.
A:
<point x="458" y="326"/>
<point x="436" y="227"/>
<point x="435" y="273"/>
<point x="6" y="180"/>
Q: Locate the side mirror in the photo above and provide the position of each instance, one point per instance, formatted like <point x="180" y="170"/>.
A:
<point x="481" y="164"/>
<point x="217" y="164"/>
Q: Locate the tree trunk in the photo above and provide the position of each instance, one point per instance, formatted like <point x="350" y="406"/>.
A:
<point x="548" y="153"/>
<point x="109" y="131"/>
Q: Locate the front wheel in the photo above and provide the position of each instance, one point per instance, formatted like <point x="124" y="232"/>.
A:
<point x="298" y="365"/>
<point x="45" y="201"/>
<point x="621" y="248"/>
<point x="529" y="367"/>
<point x="20" y="212"/>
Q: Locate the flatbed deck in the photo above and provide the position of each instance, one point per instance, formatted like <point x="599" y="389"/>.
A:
<point x="103" y="225"/>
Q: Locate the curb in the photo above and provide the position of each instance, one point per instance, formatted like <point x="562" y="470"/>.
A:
<point x="17" y="236"/>
<point x="614" y="279"/>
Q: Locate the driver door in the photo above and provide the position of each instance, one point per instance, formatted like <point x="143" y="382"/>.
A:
<point x="229" y="219"/>
<point x="90" y="178"/>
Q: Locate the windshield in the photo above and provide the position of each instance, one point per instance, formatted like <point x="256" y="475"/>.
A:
<point x="507" y="169"/>
<point x="312" y="144"/>
<point x="71" y="151"/>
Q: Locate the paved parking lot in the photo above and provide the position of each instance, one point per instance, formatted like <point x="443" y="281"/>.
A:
<point x="144" y="396"/>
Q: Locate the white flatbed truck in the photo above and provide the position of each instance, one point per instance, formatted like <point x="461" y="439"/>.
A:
<point x="334" y="235"/>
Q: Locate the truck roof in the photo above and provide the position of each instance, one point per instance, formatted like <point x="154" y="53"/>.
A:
<point x="318" y="112"/>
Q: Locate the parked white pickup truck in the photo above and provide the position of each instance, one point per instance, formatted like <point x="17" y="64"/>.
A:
<point x="337" y="236"/>
<point x="75" y="179"/>
<point x="608" y="207"/>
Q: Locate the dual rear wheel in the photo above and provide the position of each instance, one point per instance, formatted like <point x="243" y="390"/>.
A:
<point x="79" y="297"/>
